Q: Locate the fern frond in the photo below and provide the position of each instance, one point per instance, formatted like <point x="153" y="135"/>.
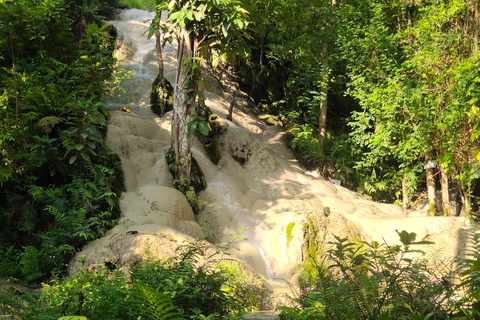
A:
<point x="47" y="123"/>
<point x="148" y="303"/>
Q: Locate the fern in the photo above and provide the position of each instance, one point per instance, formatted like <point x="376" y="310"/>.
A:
<point x="47" y="123"/>
<point x="374" y="281"/>
<point x="148" y="303"/>
<point x="32" y="263"/>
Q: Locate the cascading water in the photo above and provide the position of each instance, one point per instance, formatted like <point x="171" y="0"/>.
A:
<point x="137" y="54"/>
<point x="251" y="186"/>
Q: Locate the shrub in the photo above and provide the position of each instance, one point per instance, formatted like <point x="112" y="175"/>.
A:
<point x="374" y="281"/>
<point x="102" y="295"/>
<point x="189" y="279"/>
<point x="245" y="289"/>
<point x="467" y="292"/>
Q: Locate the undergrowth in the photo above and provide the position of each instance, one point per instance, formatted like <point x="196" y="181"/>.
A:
<point x="377" y="281"/>
<point x="200" y="283"/>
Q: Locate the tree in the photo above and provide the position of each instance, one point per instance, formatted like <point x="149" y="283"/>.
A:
<point x="415" y="77"/>
<point x="201" y="28"/>
<point x="322" y="123"/>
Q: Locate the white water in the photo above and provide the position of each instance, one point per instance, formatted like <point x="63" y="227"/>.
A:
<point x="265" y="195"/>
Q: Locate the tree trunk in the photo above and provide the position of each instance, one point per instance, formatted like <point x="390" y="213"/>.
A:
<point x="182" y="112"/>
<point x="14" y="70"/>
<point x="404" y="195"/>
<point x="466" y="199"/>
<point x="445" y="192"/>
<point x="158" y="45"/>
<point x="476" y="27"/>
<point x="322" y="121"/>
<point x="432" y="201"/>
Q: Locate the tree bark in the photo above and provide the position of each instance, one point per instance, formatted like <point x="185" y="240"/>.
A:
<point x="182" y="112"/>
<point x="158" y="45"/>
<point x="466" y="199"/>
<point x="476" y="27"/>
<point x="445" y="192"/>
<point x="432" y="200"/>
<point x="404" y="195"/>
<point x="322" y="122"/>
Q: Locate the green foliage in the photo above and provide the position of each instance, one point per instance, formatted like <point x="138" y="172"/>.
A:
<point x="199" y="124"/>
<point x="60" y="184"/>
<point x="304" y="142"/>
<point x="244" y="288"/>
<point x="21" y="306"/>
<point x="467" y="303"/>
<point x="161" y="96"/>
<point x="148" y="5"/>
<point x="289" y="232"/>
<point x="101" y="295"/>
<point x="374" y="281"/>
<point x="197" y="284"/>
<point x="410" y="78"/>
<point x="151" y="304"/>
<point x="190" y="280"/>
<point x="409" y="70"/>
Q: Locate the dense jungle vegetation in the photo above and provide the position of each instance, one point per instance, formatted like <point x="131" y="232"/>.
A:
<point x="59" y="183"/>
<point x="398" y="79"/>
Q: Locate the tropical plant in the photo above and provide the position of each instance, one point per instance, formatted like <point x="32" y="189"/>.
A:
<point x="95" y="295"/>
<point x="190" y="280"/>
<point x="374" y="281"/>
<point x="467" y="293"/>
<point x="151" y="304"/>
<point x="60" y="184"/>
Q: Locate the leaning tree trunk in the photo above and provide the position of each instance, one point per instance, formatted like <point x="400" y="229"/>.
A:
<point x="182" y="111"/>
<point x="445" y="192"/>
<point x="432" y="200"/>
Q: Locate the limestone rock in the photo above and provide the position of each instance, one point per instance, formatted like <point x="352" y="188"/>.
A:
<point x="122" y="251"/>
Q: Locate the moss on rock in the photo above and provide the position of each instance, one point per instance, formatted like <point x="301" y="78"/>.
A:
<point x="161" y="97"/>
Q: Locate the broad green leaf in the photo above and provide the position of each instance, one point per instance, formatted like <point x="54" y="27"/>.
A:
<point x="175" y="16"/>
<point x="85" y="156"/>
<point x="192" y="126"/>
<point x="204" y="128"/>
<point x="406" y="238"/>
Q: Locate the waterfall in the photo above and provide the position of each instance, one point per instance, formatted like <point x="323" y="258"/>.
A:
<point x="267" y="193"/>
